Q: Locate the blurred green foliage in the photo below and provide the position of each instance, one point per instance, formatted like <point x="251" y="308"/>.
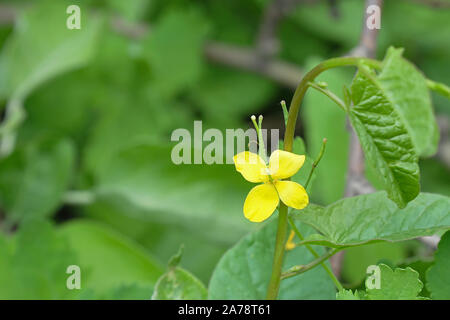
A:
<point x="100" y="106"/>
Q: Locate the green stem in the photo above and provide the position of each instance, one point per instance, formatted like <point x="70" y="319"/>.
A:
<point x="304" y="84"/>
<point x="296" y="270"/>
<point x="438" y="87"/>
<point x="285" y="111"/>
<point x="258" y="126"/>
<point x="274" y="284"/>
<point x="316" y="162"/>
<point x="330" y="95"/>
<point x="316" y="255"/>
<point x="262" y="147"/>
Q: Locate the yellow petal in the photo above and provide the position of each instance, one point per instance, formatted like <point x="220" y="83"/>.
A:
<point x="283" y="164"/>
<point x="292" y="194"/>
<point x="290" y="243"/>
<point x="261" y="202"/>
<point x="251" y="166"/>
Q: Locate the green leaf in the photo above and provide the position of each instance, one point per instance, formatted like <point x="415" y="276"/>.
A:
<point x="421" y="266"/>
<point x="225" y="96"/>
<point x="108" y="259"/>
<point x="179" y="284"/>
<point x="33" y="263"/>
<point x="400" y="284"/>
<point x="372" y="218"/>
<point x="438" y="276"/>
<point x="324" y="119"/>
<point x="33" y="180"/>
<point x="204" y="199"/>
<point x="42" y="47"/>
<point x="244" y="270"/>
<point x="174" y="50"/>
<point x="347" y="295"/>
<point x="406" y="89"/>
<point x="174" y="261"/>
<point x="384" y="138"/>
<point x="344" y="29"/>
<point x="161" y="239"/>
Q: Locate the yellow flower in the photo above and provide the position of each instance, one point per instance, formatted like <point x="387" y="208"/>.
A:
<point x="263" y="199"/>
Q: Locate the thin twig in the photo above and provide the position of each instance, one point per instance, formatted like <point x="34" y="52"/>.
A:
<point x="296" y="270"/>
<point x="315" y="254"/>
<point x="316" y="162"/>
<point x="330" y="95"/>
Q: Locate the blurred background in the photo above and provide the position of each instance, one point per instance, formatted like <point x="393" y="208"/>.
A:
<point x="86" y="119"/>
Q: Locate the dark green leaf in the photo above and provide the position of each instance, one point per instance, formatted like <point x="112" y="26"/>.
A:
<point x="406" y="89"/>
<point x="384" y="138"/>
<point x="33" y="180"/>
<point x="373" y="218"/>
<point x="226" y="96"/>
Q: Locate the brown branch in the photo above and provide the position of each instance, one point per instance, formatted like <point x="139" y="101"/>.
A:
<point x="282" y="72"/>
<point x="246" y="59"/>
<point x="130" y="30"/>
<point x="7" y="15"/>
<point x="267" y="44"/>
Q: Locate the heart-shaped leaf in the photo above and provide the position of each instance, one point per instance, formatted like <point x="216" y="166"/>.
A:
<point x="373" y="218"/>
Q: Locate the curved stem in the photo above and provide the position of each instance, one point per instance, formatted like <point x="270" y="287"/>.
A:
<point x="274" y="284"/>
<point x="304" y="84"/>
<point x="330" y="95"/>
